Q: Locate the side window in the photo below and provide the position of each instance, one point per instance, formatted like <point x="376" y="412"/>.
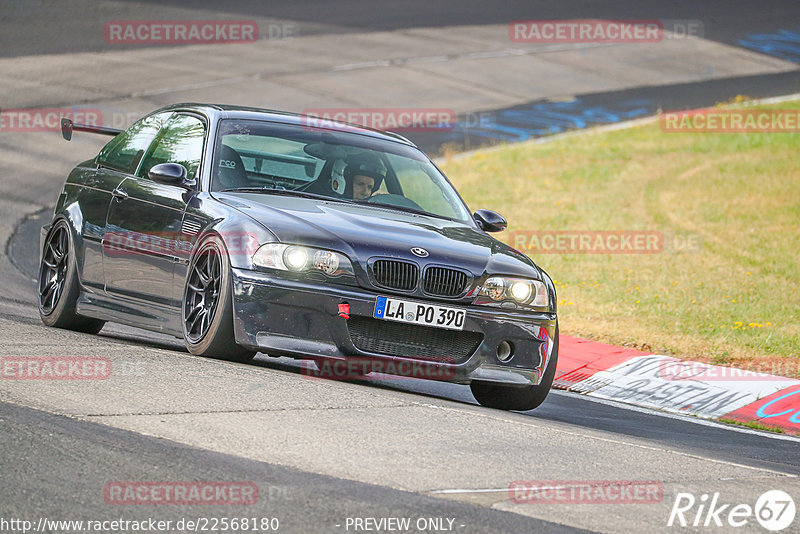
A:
<point x="126" y="149"/>
<point x="181" y="141"/>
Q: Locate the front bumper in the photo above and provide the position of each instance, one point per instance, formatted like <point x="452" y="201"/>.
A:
<point x="284" y="317"/>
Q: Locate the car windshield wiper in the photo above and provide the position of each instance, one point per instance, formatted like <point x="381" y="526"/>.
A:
<point x="287" y="192"/>
<point x="403" y="208"/>
<point x="303" y="194"/>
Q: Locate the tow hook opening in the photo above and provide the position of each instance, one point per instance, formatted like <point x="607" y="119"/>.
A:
<point x="505" y="351"/>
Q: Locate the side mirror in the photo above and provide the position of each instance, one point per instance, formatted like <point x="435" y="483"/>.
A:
<point x="490" y="221"/>
<point x="169" y="173"/>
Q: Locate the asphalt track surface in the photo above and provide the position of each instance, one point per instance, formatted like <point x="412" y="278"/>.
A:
<point x="323" y="452"/>
<point x="47" y="31"/>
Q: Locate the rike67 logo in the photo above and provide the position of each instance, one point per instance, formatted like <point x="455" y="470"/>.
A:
<point x="774" y="510"/>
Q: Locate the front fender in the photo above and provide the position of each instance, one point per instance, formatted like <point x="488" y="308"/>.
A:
<point x="42" y="236"/>
<point x="242" y="236"/>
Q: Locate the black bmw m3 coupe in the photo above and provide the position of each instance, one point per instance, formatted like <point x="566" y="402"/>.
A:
<point x="244" y="230"/>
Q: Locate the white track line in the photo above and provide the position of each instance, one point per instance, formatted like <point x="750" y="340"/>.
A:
<point x="686" y="418"/>
<point x="593" y="436"/>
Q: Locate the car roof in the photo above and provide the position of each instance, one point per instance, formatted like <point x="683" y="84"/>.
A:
<point x="242" y="112"/>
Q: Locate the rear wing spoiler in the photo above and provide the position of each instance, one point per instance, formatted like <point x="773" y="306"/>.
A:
<point x="67" y="127"/>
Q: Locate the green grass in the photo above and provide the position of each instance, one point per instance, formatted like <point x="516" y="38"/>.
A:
<point x="731" y="300"/>
<point x="755" y="425"/>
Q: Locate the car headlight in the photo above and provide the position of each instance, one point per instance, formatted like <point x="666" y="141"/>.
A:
<point x="296" y="258"/>
<point x="499" y="290"/>
<point x="299" y="258"/>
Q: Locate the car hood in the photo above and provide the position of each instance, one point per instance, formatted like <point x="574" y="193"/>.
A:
<point x="366" y="231"/>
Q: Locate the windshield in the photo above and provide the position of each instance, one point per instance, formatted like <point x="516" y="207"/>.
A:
<point x="263" y="156"/>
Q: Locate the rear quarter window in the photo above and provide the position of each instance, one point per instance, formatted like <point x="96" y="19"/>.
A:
<point x="124" y="152"/>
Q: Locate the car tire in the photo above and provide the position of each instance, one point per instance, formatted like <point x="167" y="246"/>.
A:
<point x="207" y="309"/>
<point x="517" y="398"/>
<point x="59" y="285"/>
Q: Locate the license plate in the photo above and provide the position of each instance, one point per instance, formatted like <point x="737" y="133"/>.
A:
<point x="405" y="311"/>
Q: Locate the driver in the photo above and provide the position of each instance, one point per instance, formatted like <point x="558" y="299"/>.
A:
<point x="363" y="176"/>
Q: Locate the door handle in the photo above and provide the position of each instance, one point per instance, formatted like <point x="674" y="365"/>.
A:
<point x="119" y="194"/>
